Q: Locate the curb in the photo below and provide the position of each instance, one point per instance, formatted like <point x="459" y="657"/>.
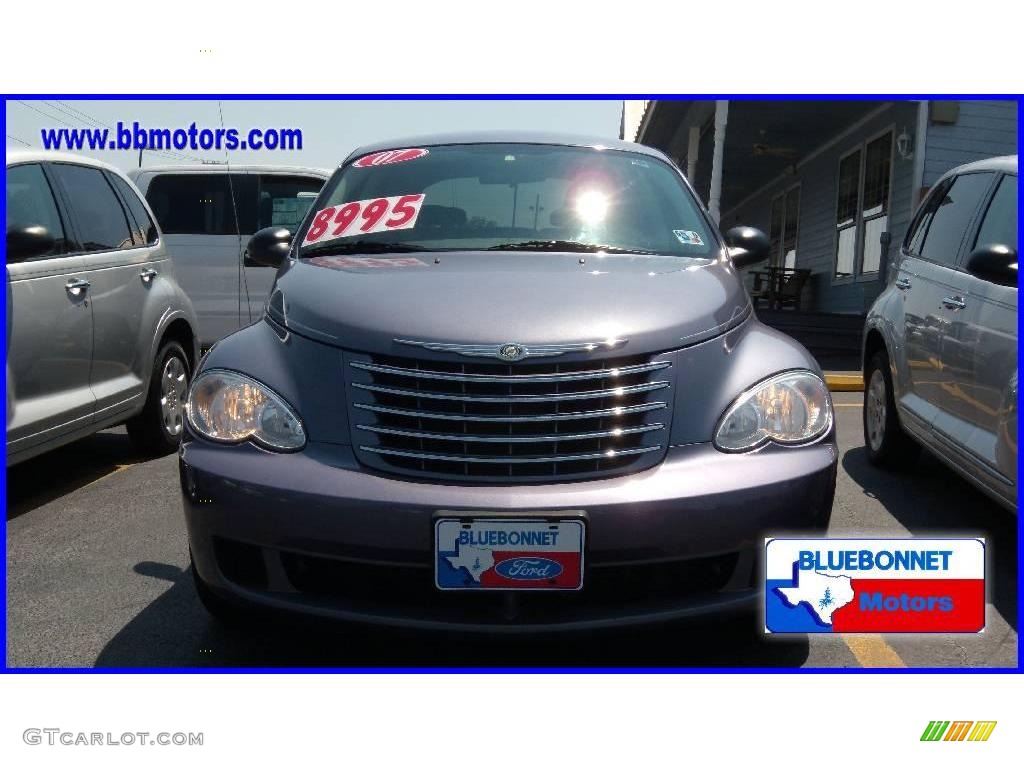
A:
<point x="845" y="382"/>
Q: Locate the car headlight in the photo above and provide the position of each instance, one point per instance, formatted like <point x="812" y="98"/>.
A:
<point x="230" y="408"/>
<point x="791" y="408"/>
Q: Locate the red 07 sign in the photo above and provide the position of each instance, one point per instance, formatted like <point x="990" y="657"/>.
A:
<point x="388" y="157"/>
<point x="364" y="217"/>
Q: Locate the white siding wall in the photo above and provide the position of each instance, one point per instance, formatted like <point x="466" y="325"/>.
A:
<point x="983" y="129"/>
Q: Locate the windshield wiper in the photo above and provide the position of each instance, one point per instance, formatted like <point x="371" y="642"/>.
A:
<point x="567" y="246"/>
<point x="359" y="246"/>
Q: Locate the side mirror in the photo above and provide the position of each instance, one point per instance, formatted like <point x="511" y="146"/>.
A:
<point x="268" y="247"/>
<point x="994" y="263"/>
<point x="28" y="242"/>
<point x="747" y="246"/>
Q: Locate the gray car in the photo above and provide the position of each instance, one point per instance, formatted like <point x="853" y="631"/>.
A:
<point x="503" y="383"/>
<point x="98" y="331"/>
<point x="940" y="343"/>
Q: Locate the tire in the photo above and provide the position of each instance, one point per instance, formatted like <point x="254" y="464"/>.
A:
<point x="887" y="444"/>
<point x="157" y="430"/>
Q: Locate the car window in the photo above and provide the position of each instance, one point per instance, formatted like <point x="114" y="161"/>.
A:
<point x="144" y="230"/>
<point x="30" y="203"/>
<point x="202" y="204"/>
<point x="100" y="220"/>
<point x="919" y="225"/>
<point x="951" y="214"/>
<point x="999" y="226"/>
<point x="285" y="200"/>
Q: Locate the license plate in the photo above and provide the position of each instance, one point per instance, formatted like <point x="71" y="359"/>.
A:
<point x="508" y="554"/>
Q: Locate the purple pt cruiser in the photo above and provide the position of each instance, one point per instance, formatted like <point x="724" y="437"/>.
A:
<point x="503" y="383"/>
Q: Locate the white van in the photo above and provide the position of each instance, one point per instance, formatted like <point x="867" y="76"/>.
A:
<point x="207" y="214"/>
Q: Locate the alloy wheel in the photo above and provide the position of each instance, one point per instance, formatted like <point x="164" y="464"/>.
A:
<point x="173" y="389"/>
<point x="876" y="410"/>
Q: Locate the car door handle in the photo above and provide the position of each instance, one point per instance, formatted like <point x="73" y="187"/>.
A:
<point x="147" y="275"/>
<point x="76" y="286"/>
<point x="953" y="302"/>
<point x="903" y="284"/>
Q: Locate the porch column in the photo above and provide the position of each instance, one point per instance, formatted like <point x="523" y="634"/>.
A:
<point x="715" y="195"/>
<point x="691" y="152"/>
<point x="920" y="140"/>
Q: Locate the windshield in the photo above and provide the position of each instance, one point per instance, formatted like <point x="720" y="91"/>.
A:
<point x="507" y="197"/>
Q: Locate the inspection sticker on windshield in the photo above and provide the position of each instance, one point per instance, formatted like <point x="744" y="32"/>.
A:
<point x="874" y="585"/>
<point x="687" y="237"/>
<point x="364" y="217"/>
<point x="389" y="157"/>
<point x="502" y="554"/>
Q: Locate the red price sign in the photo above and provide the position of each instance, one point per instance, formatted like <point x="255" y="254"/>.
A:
<point x="364" y="217"/>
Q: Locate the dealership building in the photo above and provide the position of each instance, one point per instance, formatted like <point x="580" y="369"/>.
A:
<point x="824" y="179"/>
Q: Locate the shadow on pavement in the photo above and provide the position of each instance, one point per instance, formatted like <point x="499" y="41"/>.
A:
<point x="175" y="631"/>
<point x="932" y="500"/>
<point x="57" y="473"/>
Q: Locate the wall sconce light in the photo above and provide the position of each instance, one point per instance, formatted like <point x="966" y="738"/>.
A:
<point x="905" y="145"/>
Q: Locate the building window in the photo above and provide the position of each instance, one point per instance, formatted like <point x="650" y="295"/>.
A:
<point x="785" y="217"/>
<point x="877" y="173"/>
<point x="846" y="214"/>
<point x="862" y="210"/>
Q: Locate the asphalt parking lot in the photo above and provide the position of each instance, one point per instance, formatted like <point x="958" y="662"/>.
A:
<point x="97" y="576"/>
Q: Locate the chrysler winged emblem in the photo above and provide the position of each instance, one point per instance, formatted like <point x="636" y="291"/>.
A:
<point x="510" y="352"/>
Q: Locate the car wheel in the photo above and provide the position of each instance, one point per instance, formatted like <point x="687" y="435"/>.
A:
<point x="157" y="430"/>
<point x="887" y="444"/>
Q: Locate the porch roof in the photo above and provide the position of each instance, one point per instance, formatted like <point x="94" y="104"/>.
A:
<point x="762" y="138"/>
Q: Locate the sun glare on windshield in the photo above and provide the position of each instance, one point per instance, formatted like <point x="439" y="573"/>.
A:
<point x="592" y="206"/>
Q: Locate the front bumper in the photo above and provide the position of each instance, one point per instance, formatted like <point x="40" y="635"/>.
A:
<point x="314" y="532"/>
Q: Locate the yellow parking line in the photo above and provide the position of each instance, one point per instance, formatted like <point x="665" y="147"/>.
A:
<point x="873" y="651"/>
<point x="844" y="382"/>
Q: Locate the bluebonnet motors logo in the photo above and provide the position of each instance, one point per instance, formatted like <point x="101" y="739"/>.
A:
<point x="874" y="585"/>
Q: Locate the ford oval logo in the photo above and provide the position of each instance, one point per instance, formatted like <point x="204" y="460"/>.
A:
<point x="528" y="568"/>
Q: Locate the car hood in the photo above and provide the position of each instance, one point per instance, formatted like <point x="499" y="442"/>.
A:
<point x="655" y="303"/>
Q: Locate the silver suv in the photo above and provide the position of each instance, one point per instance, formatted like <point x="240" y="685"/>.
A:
<point x="98" y="331"/>
<point x="940" y="343"/>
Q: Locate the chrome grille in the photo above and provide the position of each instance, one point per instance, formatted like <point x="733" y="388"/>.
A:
<point x="497" y="422"/>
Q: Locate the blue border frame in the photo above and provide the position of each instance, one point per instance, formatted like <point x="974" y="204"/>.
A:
<point x="1019" y="98"/>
